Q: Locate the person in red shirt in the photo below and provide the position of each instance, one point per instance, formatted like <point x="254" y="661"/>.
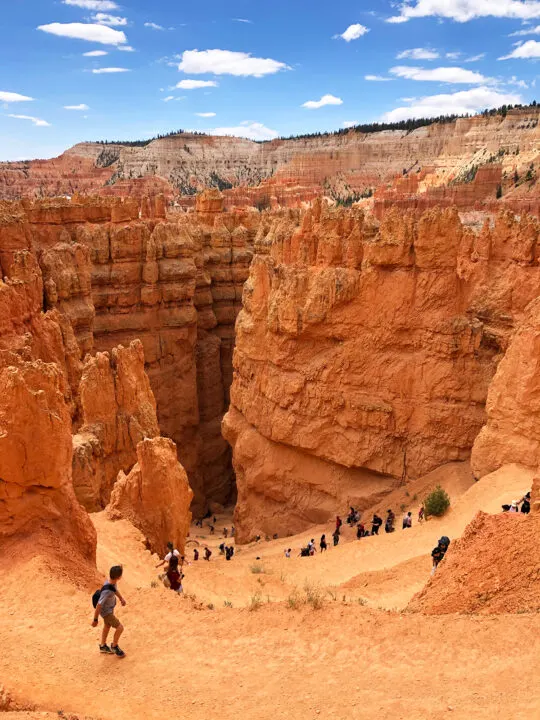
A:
<point x="174" y="576"/>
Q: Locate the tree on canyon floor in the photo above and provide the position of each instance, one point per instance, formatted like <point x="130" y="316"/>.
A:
<point x="437" y="502"/>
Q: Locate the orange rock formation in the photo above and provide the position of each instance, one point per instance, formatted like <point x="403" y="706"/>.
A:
<point x="155" y="496"/>
<point x="364" y="355"/>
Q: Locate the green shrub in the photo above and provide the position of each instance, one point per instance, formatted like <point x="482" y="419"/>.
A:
<point x="437" y="502"/>
<point x="255" y="602"/>
<point x="257" y="569"/>
<point x="314" y="596"/>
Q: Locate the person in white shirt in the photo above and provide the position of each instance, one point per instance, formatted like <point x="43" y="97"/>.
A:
<point x="171" y="551"/>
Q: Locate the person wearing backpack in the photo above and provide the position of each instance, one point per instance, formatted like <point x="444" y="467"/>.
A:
<point x="104" y="602"/>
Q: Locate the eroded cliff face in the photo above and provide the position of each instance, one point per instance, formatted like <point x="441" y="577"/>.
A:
<point x="112" y="271"/>
<point x="290" y="172"/>
<point x="364" y="355"/>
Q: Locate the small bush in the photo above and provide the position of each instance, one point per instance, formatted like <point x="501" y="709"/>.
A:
<point x="210" y="606"/>
<point x="154" y="584"/>
<point x="314" y="596"/>
<point x="294" y="600"/>
<point x="228" y="603"/>
<point x="437" y="502"/>
<point x="361" y="601"/>
<point x="255" y="602"/>
<point x="402" y="507"/>
<point x="257" y="569"/>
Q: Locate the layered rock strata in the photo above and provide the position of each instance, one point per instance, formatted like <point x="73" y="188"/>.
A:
<point x="109" y="272"/>
<point x="155" y="496"/>
<point x="364" y="355"/>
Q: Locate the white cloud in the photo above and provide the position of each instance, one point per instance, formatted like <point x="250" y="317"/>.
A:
<point x="527" y="31"/>
<point x="529" y="49"/>
<point x="350" y="123"/>
<point x="251" y="131"/>
<point x="465" y="10"/>
<point x="353" y="32"/>
<point x="195" y="84"/>
<point x="104" y="71"/>
<point x="168" y="98"/>
<point x="126" y="48"/>
<point x="517" y="83"/>
<point x="376" y="78"/>
<point x="82" y="106"/>
<point x="475" y="58"/>
<point x="458" y="103"/>
<point x="37" y="122"/>
<point x="243" y="20"/>
<point x="418" y="54"/>
<point x="227" y="62"/>
<point x="325" y="100"/>
<point x="153" y="26"/>
<point x="92" y="4"/>
<point x="95" y="53"/>
<point x="112" y="20"/>
<point x="206" y="115"/>
<point x="10" y="97"/>
<point x="86" y="31"/>
<point x="441" y="74"/>
<point x="453" y="55"/>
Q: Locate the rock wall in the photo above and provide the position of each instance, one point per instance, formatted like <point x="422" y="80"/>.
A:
<point x="155" y="496"/>
<point x="289" y="172"/>
<point x="369" y="349"/>
<point x="112" y="271"/>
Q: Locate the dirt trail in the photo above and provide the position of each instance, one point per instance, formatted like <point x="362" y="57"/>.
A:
<point x="341" y="661"/>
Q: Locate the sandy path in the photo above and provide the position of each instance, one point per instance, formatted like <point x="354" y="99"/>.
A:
<point x="342" y="661"/>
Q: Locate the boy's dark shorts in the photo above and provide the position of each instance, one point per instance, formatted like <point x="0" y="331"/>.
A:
<point x="111" y="620"/>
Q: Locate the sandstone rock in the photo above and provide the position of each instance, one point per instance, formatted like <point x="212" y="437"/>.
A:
<point x="535" y="495"/>
<point x="118" y="410"/>
<point x="37" y="503"/>
<point x="155" y="496"/>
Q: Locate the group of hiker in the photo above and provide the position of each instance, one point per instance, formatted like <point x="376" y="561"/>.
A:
<point x="514" y="506"/>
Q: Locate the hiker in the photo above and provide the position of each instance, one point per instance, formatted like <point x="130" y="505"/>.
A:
<point x="171" y="550"/>
<point x="351" y="516"/>
<point x="339" y="523"/>
<point x="212" y="529"/>
<point x="222" y="549"/>
<point x="439" y="552"/>
<point x="514" y="506"/>
<point x="228" y="553"/>
<point x="312" y="548"/>
<point x="225" y="532"/>
<point x="335" y="536"/>
<point x="198" y="523"/>
<point x="526" y="503"/>
<point x="421" y="514"/>
<point x="195" y="554"/>
<point x="322" y="543"/>
<point x="389" y="524"/>
<point x="311" y="544"/>
<point x="288" y="553"/>
<point x="106" y="602"/>
<point x="207" y="553"/>
<point x="375" y="524"/>
<point x="359" y="531"/>
<point x="407" y="520"/>
<point x="174" y="576"/>
<point x="232" y="531"/>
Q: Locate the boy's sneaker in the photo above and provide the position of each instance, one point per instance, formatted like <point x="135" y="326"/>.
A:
<point x="116" y="650"/>
<point x="105" y="649"/>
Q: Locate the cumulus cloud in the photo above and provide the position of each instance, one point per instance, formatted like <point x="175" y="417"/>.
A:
<point x="376" y="78"/>
<point x="95" y="53"/>
<point x="104" y="71"/>
<point x="206" y="114"/>
<point x="525" y="51"/>
<point x="440" y="74"/>
<point x="112" y="20"/>
<point x="350" y="123"/>
<point x="92" y="4"/>
<point x="251" y="131"/>
<point x="126" y="48"/>
<point x="153" y="26"/>
<point x="168" y="98"/>
<point x="86" y="31"/>
<point x="37" y="121"/>
<point x="11" y="97"/>
<point x="465" y="10"/>
<point x="82" y="106"/>
<point x="458" y="103"/>
<point x="418" y="54"/>
<point x="227" y="62"/>
<point x="195" y="84"/>
<point x="353" y="32"/>
<point x="325" y="100"/>
<point x="526" y="31"/>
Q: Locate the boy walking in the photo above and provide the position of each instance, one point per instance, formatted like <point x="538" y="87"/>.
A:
<point x="105" y="608"/>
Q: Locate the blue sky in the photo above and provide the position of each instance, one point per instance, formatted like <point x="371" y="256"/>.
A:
<point x="250" y="68"/>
